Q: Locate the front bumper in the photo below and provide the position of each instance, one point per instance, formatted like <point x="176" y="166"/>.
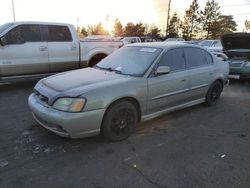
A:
<point x="73" y="125"/>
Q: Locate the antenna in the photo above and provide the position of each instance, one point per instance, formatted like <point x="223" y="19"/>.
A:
<point x="13" y="10"/>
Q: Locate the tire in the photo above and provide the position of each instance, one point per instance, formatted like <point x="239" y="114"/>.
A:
<point x="214" y="93"/>
<point x="120" y="121"/>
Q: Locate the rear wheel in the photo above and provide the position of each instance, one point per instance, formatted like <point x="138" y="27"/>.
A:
<point x="120" y="121"/>
<point x="214" y="93"/>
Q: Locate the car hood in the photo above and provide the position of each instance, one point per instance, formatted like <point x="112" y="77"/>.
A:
<point x="75" y="83"/>
<point x="236" y="41"/>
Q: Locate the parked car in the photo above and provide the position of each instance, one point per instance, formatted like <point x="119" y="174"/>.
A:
<point x="37" y="48"/>
<point x="135" y="83"/>
<point x="149" y="39"/>
<point x="237" y="48"/>
<point x="212" y="45"/>
<point x="174" y="39"/>
<point x="130" y="40"/>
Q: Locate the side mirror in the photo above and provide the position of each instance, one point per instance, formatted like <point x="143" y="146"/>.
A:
<point x="162" y="70"/>
<point x="3" y="41"/>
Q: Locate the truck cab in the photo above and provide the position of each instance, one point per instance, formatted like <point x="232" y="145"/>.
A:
<point x="31" y="48"/>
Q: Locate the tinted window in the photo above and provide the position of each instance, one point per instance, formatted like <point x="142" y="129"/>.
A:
<point x="174" y="59"/>
<point x="195" y="57"/>
<point x="24" y="33"/>
<point x="59" y="33"/>
<point x="207" y="56"/>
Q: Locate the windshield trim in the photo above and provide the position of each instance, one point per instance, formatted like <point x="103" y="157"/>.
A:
<point x="4" y="27"/>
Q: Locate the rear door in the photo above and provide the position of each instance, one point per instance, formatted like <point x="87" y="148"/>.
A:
<point x="200" y="63"/>
<point x="26" y="51"/>
<point x="63" y="50"/>
<point x="171" y="89"/>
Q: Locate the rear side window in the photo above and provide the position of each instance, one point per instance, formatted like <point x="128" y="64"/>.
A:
<point x="24" y="33"/>
<point x="173" y="59"/>
<point x="196" y="57"/>
<point x="59" y="33"/>
<point x="207" y="57"/>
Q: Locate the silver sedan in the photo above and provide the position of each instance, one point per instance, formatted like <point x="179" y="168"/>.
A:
<point x="135" y="83"/>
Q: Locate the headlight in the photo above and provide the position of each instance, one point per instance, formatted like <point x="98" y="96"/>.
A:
<point x="70" y="104"/>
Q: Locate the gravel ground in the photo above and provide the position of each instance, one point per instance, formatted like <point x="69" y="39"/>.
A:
<point x="201" y="146"/>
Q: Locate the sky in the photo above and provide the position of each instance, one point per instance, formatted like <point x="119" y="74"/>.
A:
<point x="91" y="12"/>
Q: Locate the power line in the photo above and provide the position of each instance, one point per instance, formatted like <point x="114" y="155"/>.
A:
<point x="241" y="14"/>
<point x="235" y="5"/>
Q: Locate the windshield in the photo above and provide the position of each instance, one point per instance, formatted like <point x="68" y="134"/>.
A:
<point x="130" y="60"/>
<point x="5" y="26"/>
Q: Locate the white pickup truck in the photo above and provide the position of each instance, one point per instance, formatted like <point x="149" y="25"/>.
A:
<point x="38" y="48"/>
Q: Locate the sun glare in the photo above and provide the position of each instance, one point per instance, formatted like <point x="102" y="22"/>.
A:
<point x="108" y="25"/>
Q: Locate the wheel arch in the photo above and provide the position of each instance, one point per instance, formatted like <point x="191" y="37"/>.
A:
<point x="132" y="100"/>
<point x="96" y="58"/>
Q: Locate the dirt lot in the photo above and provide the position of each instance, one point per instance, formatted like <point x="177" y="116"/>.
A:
<point x="196" y="147"/>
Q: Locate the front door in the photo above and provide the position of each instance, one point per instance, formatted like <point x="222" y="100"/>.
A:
<point x="25" y="53"/>
<point x="171" y="89"/>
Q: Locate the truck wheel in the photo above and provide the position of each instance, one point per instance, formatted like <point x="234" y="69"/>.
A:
<point x="120" y="121"/>
<point x="213" y="93"/>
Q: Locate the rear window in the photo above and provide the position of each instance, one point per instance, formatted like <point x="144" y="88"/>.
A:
<point x="196" y="57"/>
<point x="59" y="33"/>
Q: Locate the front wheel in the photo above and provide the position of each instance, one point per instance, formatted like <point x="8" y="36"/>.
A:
<point x="120" y="121"/>
<point x="214" y="93"/>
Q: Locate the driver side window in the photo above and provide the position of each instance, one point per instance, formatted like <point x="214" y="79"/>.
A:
<point x="174" y="59"/>
<point x="24" y="33"/>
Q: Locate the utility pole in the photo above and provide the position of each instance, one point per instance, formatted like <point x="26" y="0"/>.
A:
<point x="169" y="3"/>
<point x="13" y="10"/>
<point x="77" y="24"/>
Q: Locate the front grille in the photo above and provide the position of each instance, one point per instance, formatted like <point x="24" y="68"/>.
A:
<point x="41" y="97"/>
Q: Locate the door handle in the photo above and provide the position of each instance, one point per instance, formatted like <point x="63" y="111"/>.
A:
<point x="43" y="48"/>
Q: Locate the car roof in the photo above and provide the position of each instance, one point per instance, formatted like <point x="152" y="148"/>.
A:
<point x="38" y="22"/>
<point x="165" y="45"/>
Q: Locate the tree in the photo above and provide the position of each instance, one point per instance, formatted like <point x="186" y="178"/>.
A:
<point x="247" y="25"/>
<point x="154" y="32"/>
<point x="97" y="30"/>
<point x="134" y="29"/>
<point x="191" y="21"/>
<point x="209" y="16"/>
<point x="174" y="26"/>
<point x="225" y="24"/>
<point x="118" y="28"/>
<point x="84" y="32"/>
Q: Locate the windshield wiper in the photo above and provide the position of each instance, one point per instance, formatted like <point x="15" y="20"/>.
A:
<point x="109" y="69"/>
